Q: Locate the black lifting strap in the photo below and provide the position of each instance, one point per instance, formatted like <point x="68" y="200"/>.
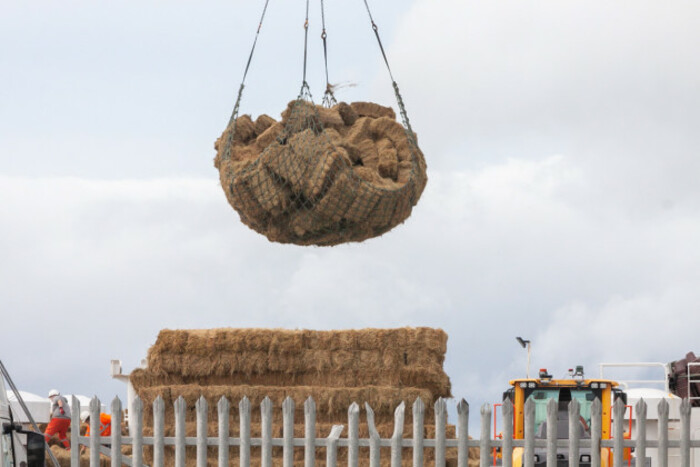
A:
<point x="328" y="97"/>
<point x="304" y="84"/>
<point x="234" y="114"/>
<point x="399" y="99"/>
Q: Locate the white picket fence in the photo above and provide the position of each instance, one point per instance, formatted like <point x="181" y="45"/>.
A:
<point x="398" y="445"/>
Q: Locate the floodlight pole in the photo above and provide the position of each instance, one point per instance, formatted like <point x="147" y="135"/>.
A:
<point x="525" y="344"/>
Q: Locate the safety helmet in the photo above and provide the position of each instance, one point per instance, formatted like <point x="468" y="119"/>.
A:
<point x="84" y="415"/>
<point x="54" y="392"/>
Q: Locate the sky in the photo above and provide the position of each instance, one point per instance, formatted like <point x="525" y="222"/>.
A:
<point x="562" y="204"/>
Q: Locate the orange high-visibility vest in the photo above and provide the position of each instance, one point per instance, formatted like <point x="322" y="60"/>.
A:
<point x="105" y="425"/>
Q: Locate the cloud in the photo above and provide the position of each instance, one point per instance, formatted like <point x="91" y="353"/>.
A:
<point x="611" y="85"/>
<point x="488" y="254"/>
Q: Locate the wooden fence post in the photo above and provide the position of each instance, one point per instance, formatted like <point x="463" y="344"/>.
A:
<point x="136" y="421"/>
<point x="440" y="426"/>
<point x="116" y="449"/>
<point x="202" y="421"/>
<point x="663" y="409"/>
<point x="552" y="407"/>
<point x="179" y="406"/>
<point x="685" y="432"/>
<point x="244" y="417"/>
<point x="158" y="432"/>
<point x="418" y="424"/>
<point x="641" y="445"/>
<point x="75" y="431"/>
<point x="374" y="439"/>
<point x="529" y="450"/>
<point x="507" y="449"/>
<point x="332" y="446"/>
<point x="397" y="437"/>
<point x="224" y="407"/>
<point x="463" y="428"/>
<point x="618" y="432"/>
<point x="575" y="429"/>
<point x="95" y="432"/>
<point x="310" y="432"/>
<point x="353" y="435"/>
<point x="484" y="442"/>
<point x="596" y="431"/>
<point x="288" y="432"/>
<point x="266" y="413"/>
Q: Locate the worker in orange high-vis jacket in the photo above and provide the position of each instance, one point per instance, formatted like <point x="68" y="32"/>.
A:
<point x="59" y="421"/>
<point x="105" y="425"/>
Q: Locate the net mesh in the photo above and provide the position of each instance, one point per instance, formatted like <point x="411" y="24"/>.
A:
<point x="322" y="175"/>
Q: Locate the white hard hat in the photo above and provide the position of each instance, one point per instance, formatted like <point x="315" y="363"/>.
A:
<point x="84" y="415"/>
<point x="54" y="392"/>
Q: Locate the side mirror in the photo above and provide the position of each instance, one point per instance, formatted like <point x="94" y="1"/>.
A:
<point x="10" y="427"/>
<point x="36" y="449"/>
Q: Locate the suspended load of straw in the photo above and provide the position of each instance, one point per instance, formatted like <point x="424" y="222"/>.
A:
<point x="321" y="176"/>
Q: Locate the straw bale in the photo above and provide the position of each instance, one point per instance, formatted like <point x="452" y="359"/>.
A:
<point x="245" y="129"/>
<point x="202" y="341"/>
<point x="330" y="118"/>
<point x="434" y="380"/>
<point x="404" y="171"/>
<point x="394" y="365"/>
<point x="388" y="164"/>
<point x="287" y="162"/>
<point x="301" y="115"/>
<point x="304" y="222"/>
<point x="333" y="136"/>
<point x="353" y="152"/>
<point x="331" y="403"/>
<point x="270" y="135"/>
<point x="272" y="196"/>
<point x="263" y="122"/>
<point x="402" y="209"/>
<point x="347" y="113"/>
<point x="359" y="131"/>
<point x="243" y="198"/>
<point x="321" y="172"/>
<point x="338" y="198"/>
<point x="370" y="109"/>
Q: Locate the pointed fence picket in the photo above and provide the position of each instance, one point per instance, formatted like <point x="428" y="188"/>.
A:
<point x="531" y="446"/>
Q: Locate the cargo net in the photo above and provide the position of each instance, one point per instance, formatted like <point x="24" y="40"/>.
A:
<point x="322" y="175"/>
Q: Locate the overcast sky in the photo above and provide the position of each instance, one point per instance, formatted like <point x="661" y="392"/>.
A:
<point x="563" y="202"/>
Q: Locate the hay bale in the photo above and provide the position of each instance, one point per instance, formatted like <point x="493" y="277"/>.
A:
<point x="331" y="403"/>
<point x="245" y="129"/>
<point x="347" y="113"/>
<point x="270" y="135"/>
<point x="262" y="123"/>
<point x="370" y="109"/>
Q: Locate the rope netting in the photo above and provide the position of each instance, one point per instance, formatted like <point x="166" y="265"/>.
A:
<point x="322" y="175"/>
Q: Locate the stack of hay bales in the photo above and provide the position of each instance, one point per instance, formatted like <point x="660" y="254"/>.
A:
<point x="321" y="176"/>
<point x="382" y="367"/>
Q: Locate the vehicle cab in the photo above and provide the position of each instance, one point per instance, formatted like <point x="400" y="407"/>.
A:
<point x="18" y="448"/>
<point x="544" y="388"/>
